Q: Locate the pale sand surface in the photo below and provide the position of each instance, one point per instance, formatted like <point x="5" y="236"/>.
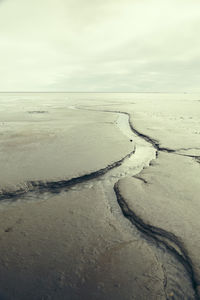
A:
<point x="169" y="199"/>
<point x="78" y="244"/>
<point x="50" y="142"/>
<point x="71" y="247"/>
<point x="172" y="119"/>
<point x="175" y="123"/>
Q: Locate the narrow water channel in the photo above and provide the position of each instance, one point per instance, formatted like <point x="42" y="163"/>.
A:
<point x="177" y="281"/>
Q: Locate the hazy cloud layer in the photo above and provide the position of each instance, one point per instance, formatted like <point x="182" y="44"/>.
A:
<point x="99" y="45"/>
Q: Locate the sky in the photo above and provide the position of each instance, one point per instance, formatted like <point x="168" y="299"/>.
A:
<point x="100" y="45"/>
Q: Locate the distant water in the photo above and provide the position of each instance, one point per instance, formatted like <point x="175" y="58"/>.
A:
<point x="99" y="96"/>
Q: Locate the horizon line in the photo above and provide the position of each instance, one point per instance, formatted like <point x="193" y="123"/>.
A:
<point x="62" y="92"/>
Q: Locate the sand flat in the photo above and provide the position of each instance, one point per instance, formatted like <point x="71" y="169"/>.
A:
<point x="79" y="243"/>
<point x="53" y="142"/>
<point x="71" y="247"/>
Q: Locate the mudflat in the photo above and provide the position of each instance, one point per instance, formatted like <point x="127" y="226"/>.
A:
<point x="99" y="196"/>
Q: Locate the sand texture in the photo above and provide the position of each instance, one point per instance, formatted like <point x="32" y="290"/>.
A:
<point x="99" y="196"/>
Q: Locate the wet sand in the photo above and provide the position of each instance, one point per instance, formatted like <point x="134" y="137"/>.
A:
<point x="78" y="241"/>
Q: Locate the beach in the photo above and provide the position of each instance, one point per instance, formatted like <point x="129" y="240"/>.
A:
<point x="99" y="196"/>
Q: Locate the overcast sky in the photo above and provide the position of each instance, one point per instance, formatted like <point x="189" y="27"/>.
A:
<point x="100" y="45"/>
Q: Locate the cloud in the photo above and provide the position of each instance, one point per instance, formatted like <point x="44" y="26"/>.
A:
<point x="113" y="45"/>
